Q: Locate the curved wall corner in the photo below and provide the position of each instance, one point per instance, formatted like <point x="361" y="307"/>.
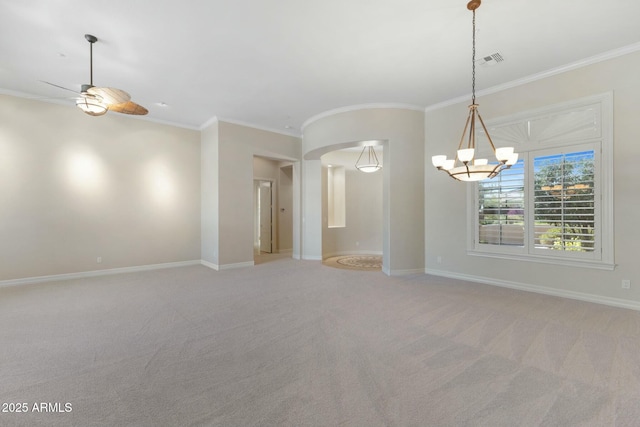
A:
<point x="401" y="132"/>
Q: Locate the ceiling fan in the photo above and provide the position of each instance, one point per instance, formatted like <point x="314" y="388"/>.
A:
<point x="96" y="101"/>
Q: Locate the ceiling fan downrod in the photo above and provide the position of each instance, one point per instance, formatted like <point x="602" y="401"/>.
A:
<point x="91" y="39"/>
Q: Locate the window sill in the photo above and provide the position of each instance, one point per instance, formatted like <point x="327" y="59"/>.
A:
<point x="600" y="265"/>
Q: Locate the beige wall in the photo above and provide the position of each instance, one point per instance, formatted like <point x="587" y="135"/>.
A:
<point x="285" y="208"/>
<point x="209" y="194"/>
<point x="311" y="210"/>
<point x="363" y="229"/>
<point x="403" y="178"/>
<point x="445" y="199"/>
<point x="75" y="187"/>
<point x="237" y="147"/>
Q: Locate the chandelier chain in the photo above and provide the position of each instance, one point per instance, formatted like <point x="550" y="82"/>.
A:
<point x="473" y="61"/>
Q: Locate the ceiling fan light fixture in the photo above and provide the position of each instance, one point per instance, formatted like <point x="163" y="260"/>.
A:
<point x="92" y="107"/>
<point x="97" y="101"/>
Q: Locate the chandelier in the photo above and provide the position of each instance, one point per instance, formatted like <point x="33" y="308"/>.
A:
<point x="370" y="163"/>
<point x="465" y="166"/>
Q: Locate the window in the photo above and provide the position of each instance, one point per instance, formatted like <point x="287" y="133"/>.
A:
<point x="501" y="208"/>
<point x="564" y="201"/>
<point x="555" y="204"/>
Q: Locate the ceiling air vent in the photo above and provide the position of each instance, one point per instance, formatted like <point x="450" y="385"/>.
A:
<point x="491" y="60"/>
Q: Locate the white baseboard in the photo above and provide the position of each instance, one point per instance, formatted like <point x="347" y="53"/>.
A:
<point x="236" y="265"/>
<point x="226" y="266"/>
<point x="94" y="273"/>
<point x="312" y="258"/>
<point x="581" y="296"/>
<point x="385" y="270"/>
<point x="404" y="272"/>
<point x="210" y="265"/>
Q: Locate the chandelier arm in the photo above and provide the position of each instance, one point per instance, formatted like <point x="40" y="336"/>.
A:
<point x="360" y="156"/>
<point x="375" y="156"/>
<point x="464" y="132"/>
<point x="472" y="130"/>
<point x="486" y="132"/>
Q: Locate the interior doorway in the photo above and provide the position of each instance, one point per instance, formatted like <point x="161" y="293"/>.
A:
<point x="263" y="216"/>
<point x="273" y="209"/>
<point x="352" y="207"/>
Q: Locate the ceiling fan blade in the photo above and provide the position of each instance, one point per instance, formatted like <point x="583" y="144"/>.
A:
<point x="129" y="107"/>
<point x="110" y="95"/>
<point x="60" y="87"/>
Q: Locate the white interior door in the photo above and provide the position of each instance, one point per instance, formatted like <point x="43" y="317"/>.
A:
<point x="265" y="216"/>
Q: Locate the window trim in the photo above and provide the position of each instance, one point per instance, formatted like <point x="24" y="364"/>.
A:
<point x="603" y="148"/>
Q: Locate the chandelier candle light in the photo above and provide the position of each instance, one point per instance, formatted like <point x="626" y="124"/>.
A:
<point x="473" y="169"/>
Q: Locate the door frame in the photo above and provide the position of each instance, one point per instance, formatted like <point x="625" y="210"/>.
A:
<point x="257" y="184"/>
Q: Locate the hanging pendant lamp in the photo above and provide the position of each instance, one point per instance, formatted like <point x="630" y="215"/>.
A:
<point x="465" y="166"/>
<point x="370" y="163"/>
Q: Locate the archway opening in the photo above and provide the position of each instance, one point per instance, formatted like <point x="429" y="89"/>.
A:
<point x="352" y="210"/>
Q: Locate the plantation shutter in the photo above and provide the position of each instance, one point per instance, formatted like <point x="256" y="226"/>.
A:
<point x="564" y="201"/>
<point x="501" y="208"/>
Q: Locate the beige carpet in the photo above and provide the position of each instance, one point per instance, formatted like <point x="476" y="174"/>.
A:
<point x="296" y="343"/>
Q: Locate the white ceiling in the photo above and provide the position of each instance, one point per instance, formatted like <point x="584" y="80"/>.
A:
<point x="277" y="63"/>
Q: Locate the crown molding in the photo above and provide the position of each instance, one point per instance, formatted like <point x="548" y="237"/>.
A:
<point x="625" y="50"/>
<point x="258" y="127"/>
<point x="208" y="123"/>
<point x="357" y="107"/>
<point x="63" y="103"/>
<point x="163" y="122"/>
